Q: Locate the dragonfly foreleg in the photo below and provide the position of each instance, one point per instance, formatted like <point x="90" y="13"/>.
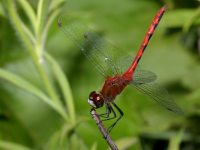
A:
<point x="121" y="115"/>
<point x="109" y="110"/>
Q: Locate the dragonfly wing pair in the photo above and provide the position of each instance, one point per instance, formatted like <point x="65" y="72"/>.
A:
<point x="144" y="81"/>
<point x="95" y="48"/>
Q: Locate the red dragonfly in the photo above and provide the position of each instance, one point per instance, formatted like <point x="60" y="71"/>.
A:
<point x="98" y="52"/>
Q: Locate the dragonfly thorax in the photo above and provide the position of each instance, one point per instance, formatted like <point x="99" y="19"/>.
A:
<point x="96" y="99"/>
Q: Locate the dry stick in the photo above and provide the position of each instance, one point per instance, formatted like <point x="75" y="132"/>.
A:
<point x="103" y="130"/>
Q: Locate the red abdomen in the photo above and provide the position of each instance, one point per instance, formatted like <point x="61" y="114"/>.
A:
<point x="112" y="87"/>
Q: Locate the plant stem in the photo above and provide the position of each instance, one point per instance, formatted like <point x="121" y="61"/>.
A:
<point x="64" y="85"/>
<point x="34" y="50"/>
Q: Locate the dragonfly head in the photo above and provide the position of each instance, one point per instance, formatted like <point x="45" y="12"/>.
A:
<point x="96" y="99"/>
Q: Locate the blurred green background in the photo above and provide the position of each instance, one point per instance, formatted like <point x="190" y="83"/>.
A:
<point x="45" y="80"/>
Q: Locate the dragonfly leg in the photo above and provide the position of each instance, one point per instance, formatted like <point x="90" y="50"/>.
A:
<point x="121" y="115"/>
<point x="109" y="110"/>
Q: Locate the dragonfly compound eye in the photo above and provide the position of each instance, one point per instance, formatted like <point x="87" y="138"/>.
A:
<point x="95" y="99"/>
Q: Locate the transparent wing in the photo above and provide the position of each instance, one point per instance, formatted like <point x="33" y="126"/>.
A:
<point x="97" y="50"/>
<point x="143" y="76"/>
<point x="159" y="94"/>
<point x="140" y="75"/>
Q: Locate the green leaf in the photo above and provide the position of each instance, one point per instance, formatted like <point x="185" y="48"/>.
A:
<point x="76" y="142"/>
<point x="126" y="143"/>
<point x="41" y="11"/>
<point x="55" y="4"/>
<point x="177" y="18"/>
<point x="23" y="31"/>
<point x="12" y="146"/>
<point x="94" y="146"/>
<point x="175" y="141"/>
<point x="192" y="20"/>
<point x="2" y="11"/>
<point x="59" y="140"/>
<point x="64" y="84"/>
<point x="29" y="12"/>
<point x="16" y="80"/>
<point x="51" y="18"/>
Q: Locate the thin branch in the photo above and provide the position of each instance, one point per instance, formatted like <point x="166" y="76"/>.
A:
<point x="103" y="130"/>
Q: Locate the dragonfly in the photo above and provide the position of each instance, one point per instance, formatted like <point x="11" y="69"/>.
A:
<point x="98" y="51"/>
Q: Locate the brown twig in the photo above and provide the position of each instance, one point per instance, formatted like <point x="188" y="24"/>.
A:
<point x="103" y="130"/>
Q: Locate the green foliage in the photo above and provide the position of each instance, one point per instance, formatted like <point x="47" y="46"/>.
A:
<point x="9" y="145"/>
<point x="33" y="38"/>
<point x="175" y="141"/>
<point x="44" y="76"/>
